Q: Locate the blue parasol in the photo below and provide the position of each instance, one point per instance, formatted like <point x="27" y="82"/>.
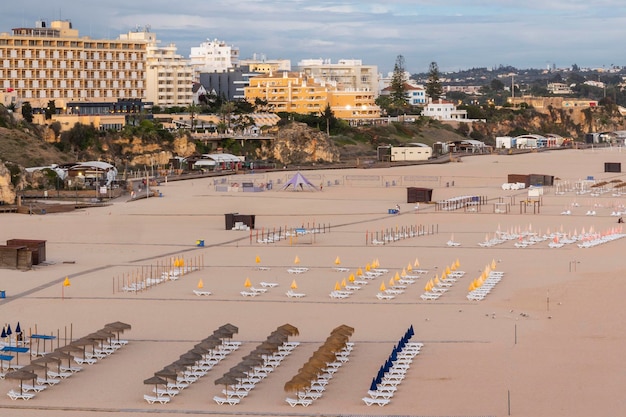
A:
<point x="18" y="329"/>
<point x="9" y="331"/>
<point x="4" y="333"/>
<point x="374" y="385"/>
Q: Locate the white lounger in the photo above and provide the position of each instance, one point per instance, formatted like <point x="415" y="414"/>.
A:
<point x="201" y="293"/>
<point x="298" y="401"/>
<point x="23" y="396"/>
<point x="156" y="399"/>
<point x="292" y="294"/>
<point x="229" y="400"/>
<point x="379" y="401"/>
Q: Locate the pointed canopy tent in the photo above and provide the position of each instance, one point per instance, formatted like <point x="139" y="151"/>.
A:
<point x="299" y="182"/>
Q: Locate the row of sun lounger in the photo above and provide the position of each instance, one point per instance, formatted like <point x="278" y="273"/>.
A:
<point x="442" y="286"/>
<point x="387" y="385"/>
<point x="481" y="292"/>
<point x="146" y="283"/>
<point x="235" y="393"/>
<point x="191" y="374"/>
<point x="101" y="350"/>
<point x="318" y="386"/>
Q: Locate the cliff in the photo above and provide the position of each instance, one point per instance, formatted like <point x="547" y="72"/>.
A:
<point x="296" y="143"/>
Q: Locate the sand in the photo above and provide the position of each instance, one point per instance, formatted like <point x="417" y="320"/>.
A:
<point x="545" y="342"/>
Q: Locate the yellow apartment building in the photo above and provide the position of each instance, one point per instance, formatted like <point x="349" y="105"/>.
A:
<point x="294" y="92"/>
<point x="55" y="63"/>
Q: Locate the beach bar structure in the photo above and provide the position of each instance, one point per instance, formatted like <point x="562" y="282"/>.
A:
<point x="37" y="247"/>
<point x="612" y="167"/>
<point x="531" y="179"/>
<point x="419" y="195"/>
<point x="15" y="257"/>
<point x="232" y="218"/>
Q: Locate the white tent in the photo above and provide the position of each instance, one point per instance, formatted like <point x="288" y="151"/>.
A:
<point x="299" y="182"/>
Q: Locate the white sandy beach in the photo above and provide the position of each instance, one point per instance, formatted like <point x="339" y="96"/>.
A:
<point x="548" y="336"/>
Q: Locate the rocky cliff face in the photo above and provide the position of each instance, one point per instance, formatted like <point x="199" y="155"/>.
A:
<point x="7" y="191"/>
<point x="297" y="143"/>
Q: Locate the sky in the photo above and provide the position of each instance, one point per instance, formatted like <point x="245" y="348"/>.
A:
<point x="456" y="34"/>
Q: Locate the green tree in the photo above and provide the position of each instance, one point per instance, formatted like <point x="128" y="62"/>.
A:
<point x="50" y="109"/>
<point x="398" y="86"/>
<point x="434" y="90"/>
<point x="497" y="85"/>
<point x="193" y="110"/>
<point x="27" y="112"/>
<point x="226" y="110"/>
<point x="329" y="118"/>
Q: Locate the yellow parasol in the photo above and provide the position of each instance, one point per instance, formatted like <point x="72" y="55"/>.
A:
<point x="66" y="282"/>
<point x="359" y="272"/>
<point x="294" y="286"/>
<point x="337" y="261"/>
<point x="382" y="286"/>
<point x="368" y="267"/>
<point x="258" y="259"/>
<point x="200" y="284"/>
<point x="391" y="282"/>
<point x="493" y="264"/>
<point x="343" y="282"/>
<point x="416" y="263"/>
<point x="351" y="278"/>
<point x="297" y="260"/>
<point x="247" y="283"/>
<point x="337" y="286"/>
<point x="397" y="276"/>
<point x="409" y="267"/>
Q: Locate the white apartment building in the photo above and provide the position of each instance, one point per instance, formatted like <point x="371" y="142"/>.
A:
<point x="444" y="110"/>
<point x="55" y="63"/>
<point x="169" y="76"/>
<point x="214" y="56"/>
<point x="346" y="74"/>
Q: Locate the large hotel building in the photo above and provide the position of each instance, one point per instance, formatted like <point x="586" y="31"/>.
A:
<point x="53" y="63"/>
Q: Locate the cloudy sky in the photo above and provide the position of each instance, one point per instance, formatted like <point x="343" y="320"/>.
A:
<point x="457" y="34"/>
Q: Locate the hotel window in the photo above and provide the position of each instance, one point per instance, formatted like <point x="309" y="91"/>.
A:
<point x="55" y="54"/>
<point x="42" y="74"/>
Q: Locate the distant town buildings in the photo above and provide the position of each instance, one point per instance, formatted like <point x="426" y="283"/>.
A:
<point x="214" y="56"/>
<point x="346" y="74"/>
<point x="299" y="93"/>
<point x="259" y="63"/>
<point x="415" y="94"/>
<point x="559" y="88"/>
